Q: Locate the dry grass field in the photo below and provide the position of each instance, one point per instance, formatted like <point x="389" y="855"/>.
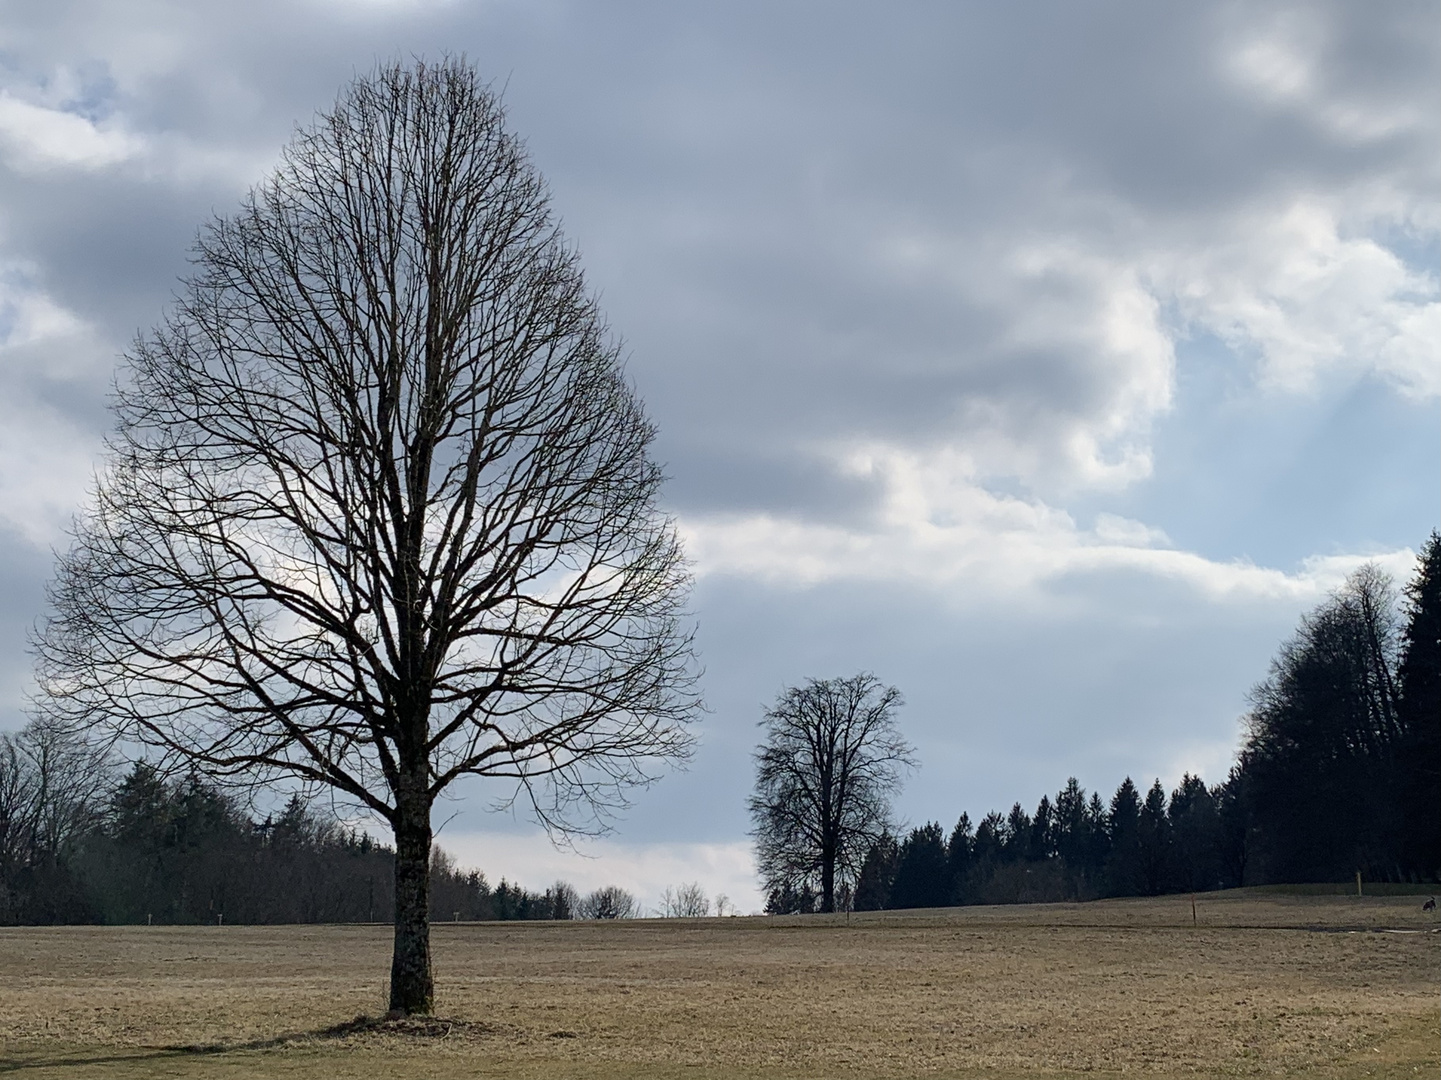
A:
<point x="1262" y="985"/>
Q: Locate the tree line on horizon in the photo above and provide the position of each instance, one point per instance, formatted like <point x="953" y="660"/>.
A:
<point x="1074" y="847"/>
<point x="78" y="847"/>
<point x="1339" y="774"/>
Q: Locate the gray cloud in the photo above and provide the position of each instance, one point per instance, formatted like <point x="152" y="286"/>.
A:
<point x="23" y="572"/>
<point x="740" y="179"/>
<point x="978" y="244"/>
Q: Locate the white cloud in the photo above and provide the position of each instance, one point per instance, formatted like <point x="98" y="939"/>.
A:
<point x="938" y="529"/>
<point x="381" y="6"/>
<point x="1210" y="759"/>
<point x="1087" y="307"/>
<point x="1291" y="287"/>
<point x="28" y="316"/>
<point x="45" y="456"/>
<point x="646" y="870"/>
<point x="1063" y="394"/>
<point x="45" y="467"/>
<point x="1113" y="529"/>
<point x="1280" y="63"/>
<point x="37" y="138"/>
<point x="50" y="123"/>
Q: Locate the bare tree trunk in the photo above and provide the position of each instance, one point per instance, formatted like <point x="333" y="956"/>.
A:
<point x="828" y="881"/>
<point x="412" y="989"/>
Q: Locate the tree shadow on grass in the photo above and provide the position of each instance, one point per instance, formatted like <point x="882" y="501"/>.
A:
<point x="387" y="1028"/>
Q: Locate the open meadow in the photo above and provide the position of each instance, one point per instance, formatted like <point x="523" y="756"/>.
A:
<point x="1263" y="984"/>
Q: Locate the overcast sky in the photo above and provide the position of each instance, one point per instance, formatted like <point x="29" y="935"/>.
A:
<point x="1045" y="359"/>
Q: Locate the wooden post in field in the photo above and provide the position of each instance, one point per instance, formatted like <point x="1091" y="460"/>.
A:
<point x="1358" y="883"/>
<point x="147" y="920"/>
<point x="219" y="919"/>
<point x="1193" y="909"/>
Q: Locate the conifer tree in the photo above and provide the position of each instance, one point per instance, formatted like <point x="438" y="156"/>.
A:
<point x="1418" y="782"/>
<point x="922" y="876"/>
<point x="1123" y="865"/>
<point x="1154" y="834"/>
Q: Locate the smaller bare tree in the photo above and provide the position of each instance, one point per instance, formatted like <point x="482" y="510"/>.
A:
<point x="608" y="902"/>
<point x="52" y="785"/>
<point x="17" y="800"/>
<point x="685" y="902"/>
<point x="564" y="901"/>
<point x="831" y="760"/>
<point x="52" y="788"/>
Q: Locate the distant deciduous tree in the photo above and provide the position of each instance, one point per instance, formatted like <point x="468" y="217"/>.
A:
<point x="608" y="902"/>
<point x="380" y="512"/>
<point x="53" y="786"/>
<point x="831" y="760"/>
<point x="685" y="902"/>
<point x="564" y="901"/>
<point x="1322" y="738"/>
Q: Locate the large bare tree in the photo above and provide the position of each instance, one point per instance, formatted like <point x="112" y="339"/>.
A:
<point x="379" y="513"/>
<point x="831" y="760"/>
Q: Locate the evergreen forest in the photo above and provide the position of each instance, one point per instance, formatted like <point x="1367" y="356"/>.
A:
<point x="147" y="849"/>
<point x="1337" y="776"/>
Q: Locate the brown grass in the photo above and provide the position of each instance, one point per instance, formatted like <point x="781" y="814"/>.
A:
<point x="1264" y="985"/>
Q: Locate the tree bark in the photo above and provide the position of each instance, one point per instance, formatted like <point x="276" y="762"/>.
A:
<point x="828" y="881"/>
<point x="412" y="989"/>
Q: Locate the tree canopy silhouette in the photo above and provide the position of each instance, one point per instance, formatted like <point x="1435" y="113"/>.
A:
<point x="825" y="774"/>
<point x="1419" y="684"/>
<point x="380" y="512"/>
<point x="1322" y="739"/>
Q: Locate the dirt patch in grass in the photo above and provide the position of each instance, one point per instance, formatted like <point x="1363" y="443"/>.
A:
<point x="1274" y="984"/>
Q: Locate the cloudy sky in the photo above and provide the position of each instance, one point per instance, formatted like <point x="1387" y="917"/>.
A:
<point x="1046" y="359"/>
